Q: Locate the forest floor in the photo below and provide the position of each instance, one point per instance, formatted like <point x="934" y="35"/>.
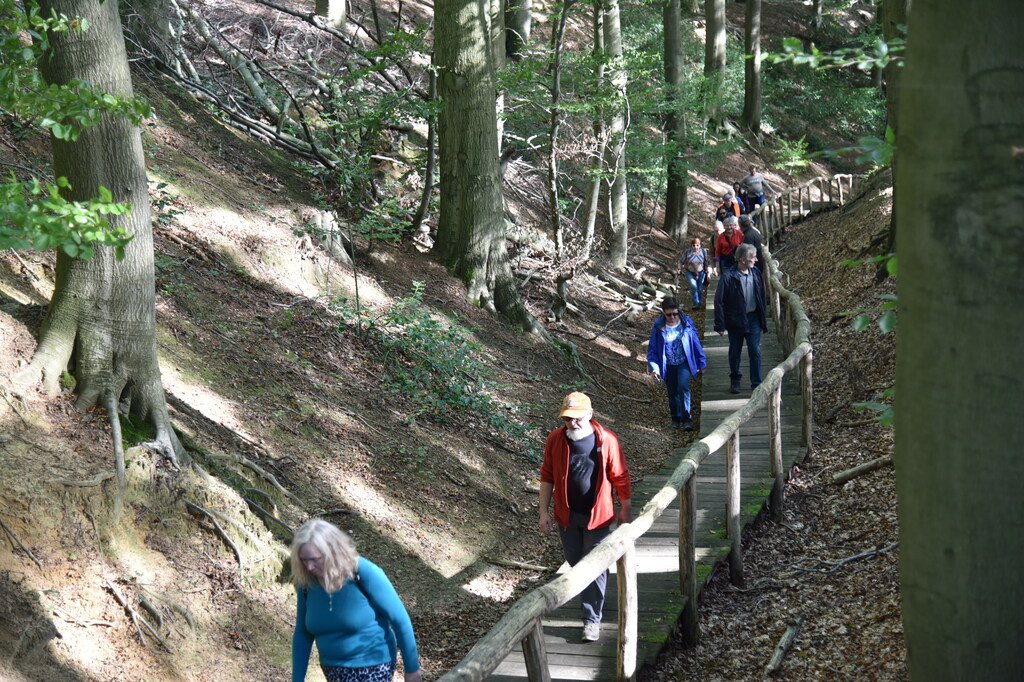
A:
<point x="264" y="365"/>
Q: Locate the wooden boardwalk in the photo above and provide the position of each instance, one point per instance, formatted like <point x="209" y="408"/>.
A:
<point x="660" y="601"/>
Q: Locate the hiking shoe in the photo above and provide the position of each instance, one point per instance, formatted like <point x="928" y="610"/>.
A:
<point x="591" y="632"/>
<point x="734" y="386"/>
<point x="688" y="425"/>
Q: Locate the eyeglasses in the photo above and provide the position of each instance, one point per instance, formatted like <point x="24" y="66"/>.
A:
<point x="671" y="314"/>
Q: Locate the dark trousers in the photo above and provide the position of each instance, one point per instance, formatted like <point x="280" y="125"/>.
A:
<point x="677" y="383"/>
<point x="752" y="337"/>
<point x="576" y="542"/>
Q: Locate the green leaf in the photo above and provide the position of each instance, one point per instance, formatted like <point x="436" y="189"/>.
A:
<point x="70" y="248"/>
<point x="887" y="322"/>
<point x="861" y="322"/>
<point x="893" y="266"/>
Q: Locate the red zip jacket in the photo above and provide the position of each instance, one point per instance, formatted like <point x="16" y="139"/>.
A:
<point x="555" y="470"/>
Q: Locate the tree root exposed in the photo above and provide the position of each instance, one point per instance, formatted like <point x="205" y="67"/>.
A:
<point x="88" y="483"/>
<point x="238" y="459"/>
<point x="137" y="619"/>
<point x="15" y="538"/>
<point x="196" y="509"/>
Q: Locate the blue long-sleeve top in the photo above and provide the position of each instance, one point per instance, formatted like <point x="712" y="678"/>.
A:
<point x="692" y="350"/>
<point x="354" y="627"/>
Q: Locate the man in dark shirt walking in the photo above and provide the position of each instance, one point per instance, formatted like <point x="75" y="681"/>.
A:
<point x="582" y="463"/>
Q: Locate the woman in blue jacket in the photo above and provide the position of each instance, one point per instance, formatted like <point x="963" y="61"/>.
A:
<point x="674" y="356"/>
<point x="349" y="608"/>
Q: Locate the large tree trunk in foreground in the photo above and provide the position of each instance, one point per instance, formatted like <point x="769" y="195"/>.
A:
<point x="471" y="224"/>
<point x="102" y="316"/>
<point x="675" y="124"/>
<point x="618" y="214"/>
<point x="958" y="417"/>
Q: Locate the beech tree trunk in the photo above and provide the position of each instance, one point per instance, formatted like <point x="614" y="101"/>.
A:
<point x="334" y="12"/>
<point x="752" y="70"/>
<point x="714" y="58"/>
<point x="600" y="137"/>
<point x="675" y="124"/>
<point x="102" y="318"/>
<point x="958" y="418"/>
<point x="471" y="224"/>
<point x="618" y="218"/>
<point x="518" y="22"/>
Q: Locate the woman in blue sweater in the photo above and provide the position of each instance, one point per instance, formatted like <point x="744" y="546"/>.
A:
<point x="349" y="608"/>
<point x="675" y="356"/>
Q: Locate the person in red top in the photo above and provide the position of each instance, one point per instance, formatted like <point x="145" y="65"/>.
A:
<point x="582" y="463"/>
<point x="726" y="244"/>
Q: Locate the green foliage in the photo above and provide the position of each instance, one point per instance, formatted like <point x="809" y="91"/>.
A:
<point x="791" y="153"/>
<point x="886" y="323"/>
<point x="876" y="150"/>
<point x="839" y="103"/>
<point x="435" y="366"/>
<point x="886" y="412"/>
<point x="34" y="215"/>
<point x="864" y="58"/>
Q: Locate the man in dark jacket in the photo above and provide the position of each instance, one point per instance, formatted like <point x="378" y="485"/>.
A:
<point x="752" y="236"/>
<point x="740" y="311"/>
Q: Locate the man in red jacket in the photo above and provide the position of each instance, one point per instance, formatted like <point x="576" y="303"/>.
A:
<point x="582" y="463"/>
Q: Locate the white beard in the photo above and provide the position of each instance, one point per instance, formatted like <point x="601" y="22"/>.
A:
<point x="575" y="434"/>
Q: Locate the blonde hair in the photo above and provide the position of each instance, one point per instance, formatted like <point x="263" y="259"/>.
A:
<point x="340" y="556"/>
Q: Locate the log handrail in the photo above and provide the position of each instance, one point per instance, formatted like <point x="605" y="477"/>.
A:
<point x="521" y="625"/>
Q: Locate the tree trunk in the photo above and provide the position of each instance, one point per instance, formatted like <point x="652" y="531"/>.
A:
<point x="471" y="224"/>
<point x="518" y="22"/>
<point x="892" y="14"/>
<point x="102" y="316"/>
<point x="752" y="71"/>
<point x="556" y="122"/>
<point x="600" y="137"/>
<point x="816" y="14"/>
<point x="618" y="218"/>
<point x="714" y="59"/>
<point x="675" y="125"/>
<point x="958" y="425"/>
<point x="334" y="12"/>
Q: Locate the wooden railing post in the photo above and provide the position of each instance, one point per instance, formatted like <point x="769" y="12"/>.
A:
<point x="536" y="655"/>
<point x="775" y="448"/>
<point x="807" y="392"/>
<point x="625" y="576"/>
<point x="839" y="181"/>
<point x="789" y="209"/>
<point x="688" y="560"/>
<point x="732" y="509"/>
<point x="830" y="195"/>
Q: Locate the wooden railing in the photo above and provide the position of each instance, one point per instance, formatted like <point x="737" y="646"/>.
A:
<point x="522" y="623"/>
<point x="787" y="207"/>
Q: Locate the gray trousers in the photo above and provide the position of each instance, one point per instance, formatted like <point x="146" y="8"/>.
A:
<point x="576" y="542"/>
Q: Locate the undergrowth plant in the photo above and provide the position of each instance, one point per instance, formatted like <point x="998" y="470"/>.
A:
<point x="436" y="366"/>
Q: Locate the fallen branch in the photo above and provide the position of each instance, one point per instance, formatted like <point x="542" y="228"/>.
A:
<point x="175" y="606"/>
<point x="220" y="531"/>
<point x="844" y="477"/>
<point x="788" y="637"/>
<point x="24" y="549"/>
<point x="238" y="459"/>
<point x="509" y="563"/>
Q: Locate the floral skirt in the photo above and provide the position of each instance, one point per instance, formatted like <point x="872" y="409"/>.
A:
<point x="373" y="673"/>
